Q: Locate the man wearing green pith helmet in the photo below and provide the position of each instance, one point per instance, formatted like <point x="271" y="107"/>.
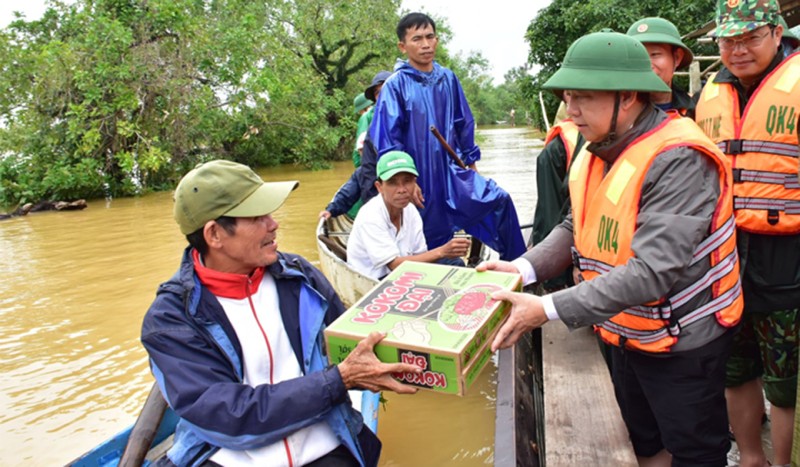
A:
<point x="651" y="232"/>
<point x="750" y="109"/>
<point x="668" y="54"/>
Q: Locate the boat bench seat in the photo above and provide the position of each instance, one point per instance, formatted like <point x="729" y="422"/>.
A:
<point x="334" y="246"/>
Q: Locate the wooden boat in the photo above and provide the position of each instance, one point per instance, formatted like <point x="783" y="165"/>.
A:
<point x="139" y="444"/>
<point x="151" y="436"/>
<point x="350" y="284"/>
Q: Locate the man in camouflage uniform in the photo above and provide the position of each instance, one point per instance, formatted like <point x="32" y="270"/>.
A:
<point x="740" y="109"/>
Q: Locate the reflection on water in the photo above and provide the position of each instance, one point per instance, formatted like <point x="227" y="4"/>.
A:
<point x="74" y="287"/>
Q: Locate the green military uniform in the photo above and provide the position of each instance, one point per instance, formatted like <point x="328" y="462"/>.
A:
<point x="771" y="263"/>
<point x="552" y="203"/>
<point x="360" y="103"/>
<point x="767" y="345"/>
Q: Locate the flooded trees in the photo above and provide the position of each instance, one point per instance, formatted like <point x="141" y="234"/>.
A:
<point x="117" y="97"/>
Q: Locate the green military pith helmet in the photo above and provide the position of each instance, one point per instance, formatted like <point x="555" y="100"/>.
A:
<point x="788" y="34"/>
<point x="360" y="102"/>
<point x="606" y="61"/>
<point x="660" y="31"/>
<point x="736" y="17"/>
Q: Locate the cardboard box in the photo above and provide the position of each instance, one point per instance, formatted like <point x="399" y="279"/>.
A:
<point x="441" y="318"/>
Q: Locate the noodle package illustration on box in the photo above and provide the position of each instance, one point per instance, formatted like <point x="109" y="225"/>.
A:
<point x="440" y="318"/>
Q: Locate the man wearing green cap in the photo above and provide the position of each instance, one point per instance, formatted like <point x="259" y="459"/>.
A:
<point x="371" y="94"/>
<point x="667" y="53"/>
<point x="349" y="198"/>
<point x="389" y="230"/>
<point x="363" y="106"/>
<point x="750" y="109"/>
<point x="651" y="233"/>
<point x="235" y="337"/>
<point x="364" y="110"/>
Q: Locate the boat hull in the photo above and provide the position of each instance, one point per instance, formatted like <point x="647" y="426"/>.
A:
<point x="109" y="452"/>
<point x="350" y="284"/>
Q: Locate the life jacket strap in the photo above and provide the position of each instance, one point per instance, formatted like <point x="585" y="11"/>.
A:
<point x="674" y="329"/>
<point x="586" y="264"/>
<point x="664" y="311"/>
<point x="733" y="147"/>
<point x="789" y="181"/>
<point x="767" y="204"/>
<point x="715" y="240"/>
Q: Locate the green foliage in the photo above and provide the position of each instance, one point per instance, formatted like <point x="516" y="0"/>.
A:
<point x="558" y="25"/>
<point x="117" y="97"/>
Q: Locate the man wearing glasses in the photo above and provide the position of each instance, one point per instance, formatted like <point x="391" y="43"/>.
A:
<point x="750" y="109"/>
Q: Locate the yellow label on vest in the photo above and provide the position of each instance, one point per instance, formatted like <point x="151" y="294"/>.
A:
<point x="711" y="91"/>
<point x="620" y="181"/>
<point x="573" y="173"/>
<point x="789" y="79"/>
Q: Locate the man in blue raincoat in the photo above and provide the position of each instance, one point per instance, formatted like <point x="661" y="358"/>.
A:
<point x="421" y="94"/>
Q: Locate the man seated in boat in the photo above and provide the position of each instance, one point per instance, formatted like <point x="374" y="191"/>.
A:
<point x="389" y="230"/>
<point x="235" y="337"/>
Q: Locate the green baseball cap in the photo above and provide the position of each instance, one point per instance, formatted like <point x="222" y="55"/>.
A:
<point x="361" y="102"/>
<point x="224" y="188"/>
<point x="660" y="31"/>
<point x="394" y="162"/>
<point x="735" y="17"/>
<point x="606" y="61"/>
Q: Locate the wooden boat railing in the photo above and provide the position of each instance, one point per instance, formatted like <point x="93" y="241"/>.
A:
<point x="145" y="429"/>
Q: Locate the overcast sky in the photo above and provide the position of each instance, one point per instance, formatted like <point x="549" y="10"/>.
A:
<point x="496" y="28"/>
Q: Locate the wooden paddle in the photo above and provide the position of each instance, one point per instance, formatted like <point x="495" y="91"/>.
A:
<point x="447" y="148"/>
<point x="145" y="429"/>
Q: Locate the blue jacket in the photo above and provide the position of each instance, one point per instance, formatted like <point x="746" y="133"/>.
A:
<point x="346" y="197"/>
<point x="196" y="359"/>
<point x="410" y="102"/>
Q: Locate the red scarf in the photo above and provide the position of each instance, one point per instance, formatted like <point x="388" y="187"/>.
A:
<point x="227" y="285"/>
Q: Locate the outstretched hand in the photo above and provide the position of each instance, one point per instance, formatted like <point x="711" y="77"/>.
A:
<point x="527" y="313"/>
<point x="362" y="369"/>
<point x="501" y="266"/>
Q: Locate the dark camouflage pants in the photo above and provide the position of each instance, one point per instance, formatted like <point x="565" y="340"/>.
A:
<point x="766" y="346"/>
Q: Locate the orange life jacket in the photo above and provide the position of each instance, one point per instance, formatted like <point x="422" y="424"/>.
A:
<point x="605" y="208"/>
<point x="761" y="144"/>
<point x="680" y="112"/>
<point x="568" y="132"/>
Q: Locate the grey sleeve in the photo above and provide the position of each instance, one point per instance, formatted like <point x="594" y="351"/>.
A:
<point x="552" y="256"/>
<point x="679" y="196"/>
